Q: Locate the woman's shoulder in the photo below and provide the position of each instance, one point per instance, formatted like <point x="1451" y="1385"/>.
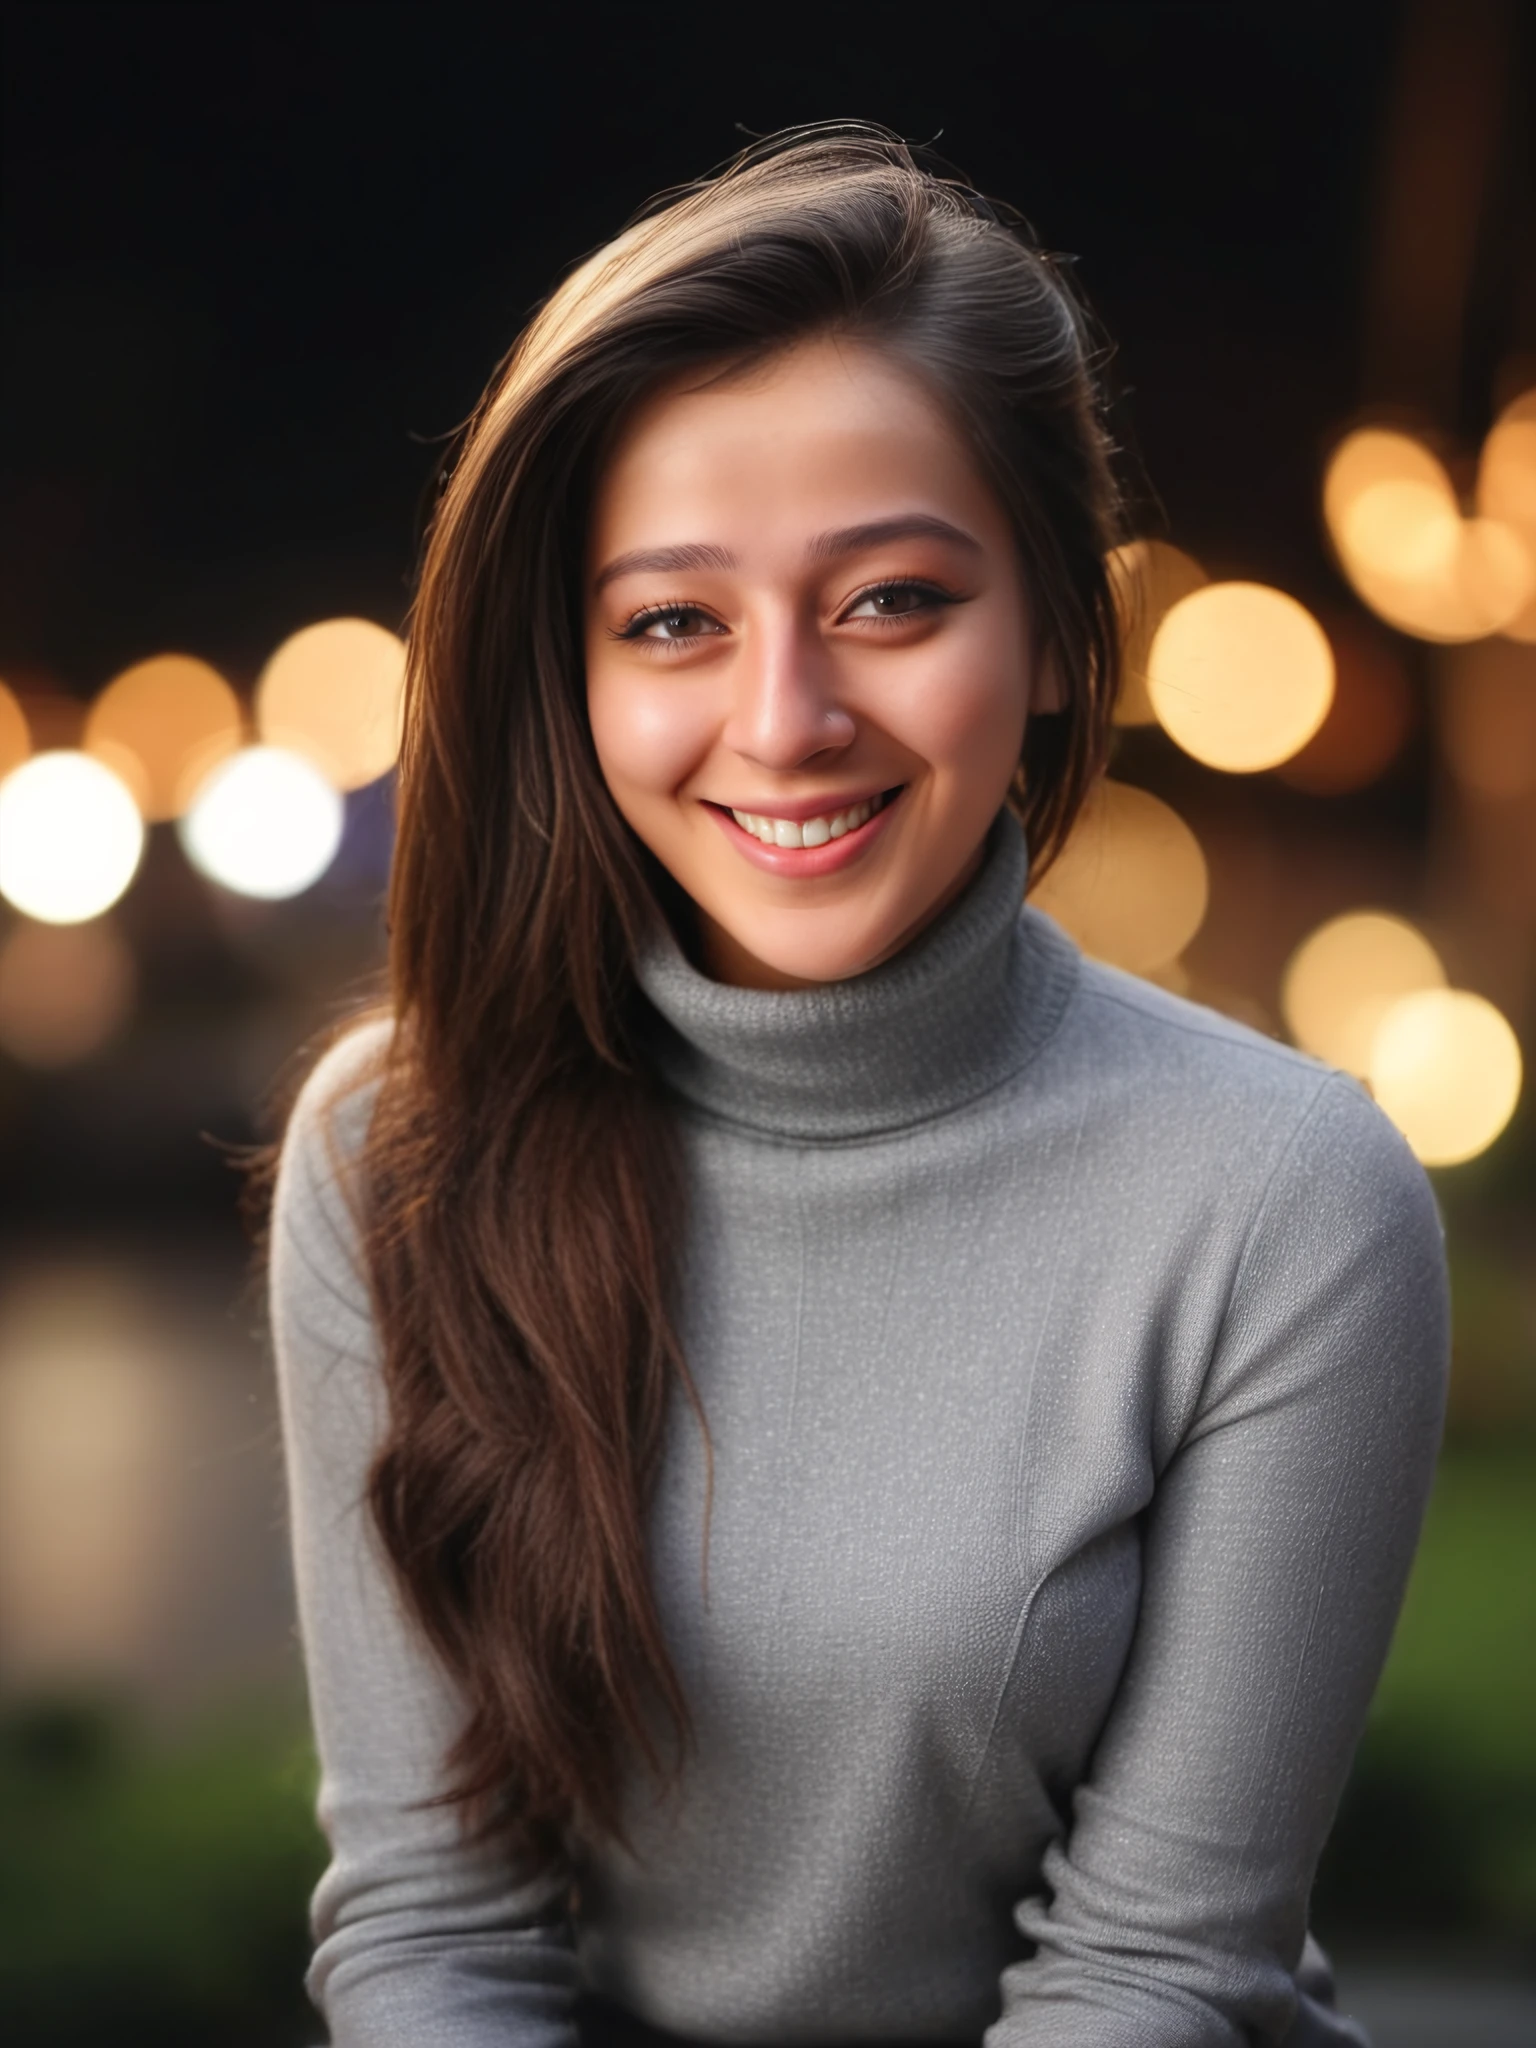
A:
<point x="1134" y="1032"/>
<point x="327" y="1125"/>
<point x="315" y="1207"/>
<point x="1194" y="1083"/>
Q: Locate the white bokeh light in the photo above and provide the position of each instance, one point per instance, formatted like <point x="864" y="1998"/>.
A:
<point x="71" y="837"/>
<point x="264" y="823"/>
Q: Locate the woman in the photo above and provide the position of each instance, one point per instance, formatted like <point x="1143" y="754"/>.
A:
<point x="852" y="1470"/>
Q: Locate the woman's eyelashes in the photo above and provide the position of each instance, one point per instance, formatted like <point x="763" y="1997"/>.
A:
<point x="675" y="624"/>
<point x="902" y="600"/>
<point x="681" y="625"/>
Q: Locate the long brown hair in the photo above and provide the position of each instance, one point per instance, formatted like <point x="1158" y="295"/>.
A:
<point x="519" y="1190"/>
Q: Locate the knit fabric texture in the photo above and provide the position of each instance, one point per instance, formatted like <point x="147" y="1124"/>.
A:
<point x="1074" y="1361"/>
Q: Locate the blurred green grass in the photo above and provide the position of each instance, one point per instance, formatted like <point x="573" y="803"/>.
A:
<point x="154" y="1890"/>
<point x="1434" y="1851"/>
<point x="1463" y="1666"/>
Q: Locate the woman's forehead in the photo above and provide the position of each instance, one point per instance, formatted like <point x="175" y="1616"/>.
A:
<point x="827" y="436"/>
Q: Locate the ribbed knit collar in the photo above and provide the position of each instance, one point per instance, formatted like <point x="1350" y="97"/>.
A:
<point x="948" y="1018"/>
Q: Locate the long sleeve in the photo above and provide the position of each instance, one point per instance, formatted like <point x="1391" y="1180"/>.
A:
<point x="1276" y="1549"/>
<point x="421" y="1941"/>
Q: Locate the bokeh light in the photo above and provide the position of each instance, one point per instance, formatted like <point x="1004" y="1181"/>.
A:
<point x="94" y="1436"/>
<point x="1340" y="983"/>
<point x="1506" y="489"/>
<point x="334" y="692"/>
<point x="15" y="739"/>
<point x="264" y="823"/>
<point x="162" y="724"/>
<point x="1445" y="1066"/>
<point x="1371" y="456"/>
<point x="70" y="837"/>
<point x="1240" y="675"/>
<point x="65" y="991"/>
<point x="1148" y="578"/>
<point x="1130" y="885"/>
<point x="1369" y="719"/>
<point x="1488" y="718"/>
<point x="1401" y="540"/>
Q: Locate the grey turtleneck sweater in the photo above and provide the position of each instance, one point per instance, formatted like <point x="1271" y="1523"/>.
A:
<point x="1074" y="1361"/>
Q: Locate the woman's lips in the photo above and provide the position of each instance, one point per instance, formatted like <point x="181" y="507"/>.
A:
<point x="804" y="863"/>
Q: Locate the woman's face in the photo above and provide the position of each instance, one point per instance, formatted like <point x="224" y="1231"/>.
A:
<point x="808" y="657"/>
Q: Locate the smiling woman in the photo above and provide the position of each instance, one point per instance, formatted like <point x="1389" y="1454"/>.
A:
<point x="852" y="1470"/>
<point x="844" y="702"/>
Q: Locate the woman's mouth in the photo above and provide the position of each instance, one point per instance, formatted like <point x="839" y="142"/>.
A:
<point x="807" y="847"/>
<point x="811" y="831"/>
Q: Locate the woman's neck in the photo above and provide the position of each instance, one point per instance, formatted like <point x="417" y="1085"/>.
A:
<point x="727" y="960"/>
<point x="949" y="1016"/>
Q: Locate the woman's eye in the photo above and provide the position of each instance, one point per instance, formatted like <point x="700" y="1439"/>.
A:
<point x="672" y="622"/>
<point x="894" y="601"/>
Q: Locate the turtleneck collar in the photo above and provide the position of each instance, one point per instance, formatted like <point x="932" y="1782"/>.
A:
<point x="951" y="1016"/>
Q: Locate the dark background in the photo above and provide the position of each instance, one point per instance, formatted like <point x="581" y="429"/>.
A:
<point x="256" y="260"/>
<point x="257" y="264"/>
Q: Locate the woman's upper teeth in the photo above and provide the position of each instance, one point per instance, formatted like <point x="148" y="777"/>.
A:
<point x="810" y="831"/>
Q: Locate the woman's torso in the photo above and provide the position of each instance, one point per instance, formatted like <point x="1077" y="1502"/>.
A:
<point x="943" y="1365"/>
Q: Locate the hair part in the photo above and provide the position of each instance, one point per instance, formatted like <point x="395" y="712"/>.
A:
<point x="520" y="1191"/>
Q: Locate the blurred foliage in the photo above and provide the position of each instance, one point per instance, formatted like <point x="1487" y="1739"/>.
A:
<point x="1434" y="1851"/>
<point x="153" y="1892"/>
<point x="1493" y="1347"/>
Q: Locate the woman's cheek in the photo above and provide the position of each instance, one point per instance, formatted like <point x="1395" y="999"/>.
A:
<point x="962" y="708"/>
<point x="649" y="738"/>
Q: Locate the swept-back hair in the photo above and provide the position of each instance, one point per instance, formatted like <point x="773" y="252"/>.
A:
<point x="519" y="1190"/>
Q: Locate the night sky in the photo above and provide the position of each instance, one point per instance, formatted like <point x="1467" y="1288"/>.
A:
<point x="257" y="260"/>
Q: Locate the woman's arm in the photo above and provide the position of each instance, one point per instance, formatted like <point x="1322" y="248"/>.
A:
<point x="1277" y="1547"/>
<point x="422" y="1942"/>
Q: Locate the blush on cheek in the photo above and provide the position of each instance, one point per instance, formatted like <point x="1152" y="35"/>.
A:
<point x="645" y="740"/>
<point x="969" y="706"/>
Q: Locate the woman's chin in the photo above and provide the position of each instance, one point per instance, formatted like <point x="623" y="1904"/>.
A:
<point x="747" y="956"/>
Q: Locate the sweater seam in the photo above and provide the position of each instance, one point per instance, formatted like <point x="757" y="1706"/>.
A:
<point x="1269" y="1048"/>
<point x="1260" y="1208"/>
<point x="1032" y="1592"/>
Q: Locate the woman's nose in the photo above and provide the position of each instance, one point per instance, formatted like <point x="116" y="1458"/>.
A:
<point x="785" y="708"/>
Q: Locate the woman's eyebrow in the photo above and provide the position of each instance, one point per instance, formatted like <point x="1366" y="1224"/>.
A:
<point x="826" y="547"/>
<point x="849" y="540"/>
<point x="659" y="561"/>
